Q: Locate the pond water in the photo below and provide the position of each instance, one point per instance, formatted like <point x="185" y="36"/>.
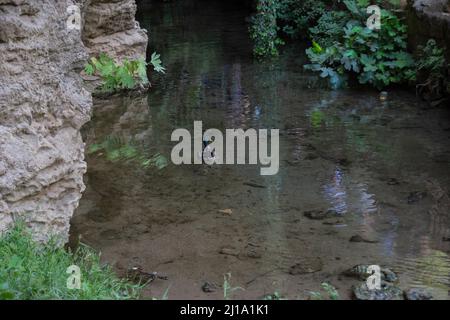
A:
<point x="382" y="167"/>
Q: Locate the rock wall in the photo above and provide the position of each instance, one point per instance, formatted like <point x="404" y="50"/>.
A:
<point x="42" y="108"/>
<point x="429" y="19"/>
<point x="110" y="27"/>
<point x="43" y="103"/>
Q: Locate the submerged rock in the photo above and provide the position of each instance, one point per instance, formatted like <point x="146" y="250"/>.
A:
<point x="209" y="287"/>
<point x="360" y="272"/>
<point x="42" y="107"/>
<point x="319" y="214"/>
<point x="392" y="182"/>
<point x="229" y="251"/>
<point x="358" y="238"/>
<point x="416" y="196"/>
<point x="418" y="294"/>
<point x="307" y="265"/>
<point x="44" y="103"/>
<point x="387" y="292"/>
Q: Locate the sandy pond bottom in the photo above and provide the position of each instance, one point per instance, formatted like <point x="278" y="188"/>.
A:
<point x="383" y="168"/>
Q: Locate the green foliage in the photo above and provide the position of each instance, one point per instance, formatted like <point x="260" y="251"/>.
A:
<point x="264" y="29"/>
<point x="432" y="71"/>
<point x="29" y="270"/>
<point x="125" y="75"/>
<point x="375" y="57"/>
<point x="165" y="295"/>
<point x="281" y="17"/>
<point x="295" y="16"/>
<point x="155" y="61"/>
<point x="329" y="27"/>
<point x="431" y="58"/>
<point x="331" y="293"/>
<point x="317" y="118"/>
<point x="274" y="296"/>
<point x="115" y="149"/>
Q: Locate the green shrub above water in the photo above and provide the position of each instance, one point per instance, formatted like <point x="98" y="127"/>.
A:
<point x="277" y="18"/>
<point x="374" y="57"/>
<point x="264" y="29"/>
<point x="125" y="75"/>
<point x="433" y="78"/>
<point x="29" y="270"/>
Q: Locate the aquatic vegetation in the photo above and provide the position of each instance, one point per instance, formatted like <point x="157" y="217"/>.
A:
<point x="330" y="291"/>
<point x="165" y="295"/>
<point x="274" y="296"/>
<point x="126" y="75"/>
<point x="317" y="118"/>
<point x="374" y="57"/>
<point x="30" y="270"/>
<point x="227" y="288"/>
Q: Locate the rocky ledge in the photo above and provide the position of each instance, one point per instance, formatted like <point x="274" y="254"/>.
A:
<point x="43" y="103"/>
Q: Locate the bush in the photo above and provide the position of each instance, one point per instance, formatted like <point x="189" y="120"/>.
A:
<point x="296" y="16"/>
<point x="432" y="72"/>
<point x="29" y="270"/>
<point x="264" y="29"/>
<point x="275" y="18"/>
<point x="375" y="57"/>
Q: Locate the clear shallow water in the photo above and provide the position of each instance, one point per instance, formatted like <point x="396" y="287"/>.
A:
<point x="341" y="150"/>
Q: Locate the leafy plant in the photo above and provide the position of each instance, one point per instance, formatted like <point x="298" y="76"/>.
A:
<point x="432" y="72"/>
<point x="295" y="16"/>
<point x="375" y="57"/>
<point x="275" y="18"/>
<point x="125" y="75"/>
<point x="264" y="29"/>
<point x="329" y="27"/>
<point x="155" y="61"/>
<point x="30" y="270"/>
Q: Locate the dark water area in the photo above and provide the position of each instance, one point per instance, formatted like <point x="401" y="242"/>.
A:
<point x="381" y="167"/>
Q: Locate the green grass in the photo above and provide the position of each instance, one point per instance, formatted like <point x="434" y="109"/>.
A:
<point x="30" y="270"/>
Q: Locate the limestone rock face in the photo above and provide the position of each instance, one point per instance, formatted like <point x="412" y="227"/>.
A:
<point x="43" y="102"/>
<point x="110" y="27"/>
<point x="42" y="107"/>
<point x="429" y="19"/>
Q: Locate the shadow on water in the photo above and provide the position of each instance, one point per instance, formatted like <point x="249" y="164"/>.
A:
<point x="382" y="168"/>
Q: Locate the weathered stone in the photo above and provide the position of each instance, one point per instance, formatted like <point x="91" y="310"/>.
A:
<point x="358" y="238"/>
<point x="42" y="108"/>
<point x="43" y="103"/>
<point x="110" y="27"/>
<point x="387" y="292"/>
<point x="320" y="214"/>
<point x="307" y="265"/>
<point x="428" y="19"/>
<point x="361" y="272"/>
<point x="418" y="294"/>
